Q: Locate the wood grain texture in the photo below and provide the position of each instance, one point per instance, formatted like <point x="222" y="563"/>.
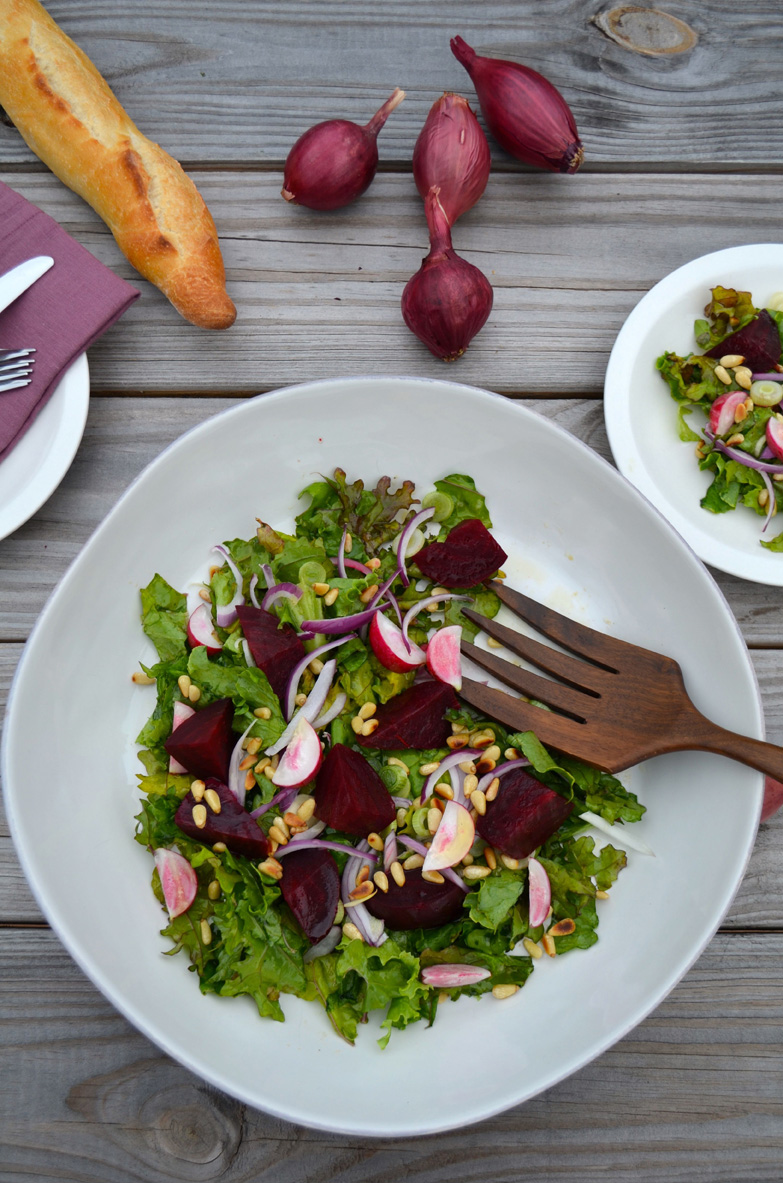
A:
<point x="318" y="294"/>
<point x="240" y="81"/>
<point x="694" y="1093"/>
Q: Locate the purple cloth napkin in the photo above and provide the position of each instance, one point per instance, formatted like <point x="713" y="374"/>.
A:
<point x="59" y="316"/>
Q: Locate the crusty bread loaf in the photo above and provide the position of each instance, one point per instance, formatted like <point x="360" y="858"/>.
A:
<point x="70" y="118"/>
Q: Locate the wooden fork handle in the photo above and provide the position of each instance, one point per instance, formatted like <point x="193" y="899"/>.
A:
<point x="705" y="736"/>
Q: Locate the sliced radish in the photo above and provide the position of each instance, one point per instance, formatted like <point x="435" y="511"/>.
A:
<point x="301" y="759"/>
<point x="775" y="436"/>
<point x="201" y="632"/>
<point x="182" y="711"/>
<point x="388" y="645"/>
<point x="722" y="410"/>
<point x="540" y="892"/>
<point x="444" y="657"/>
<point x="177" y="879"/>
<point x="450" y="977"/>
<point x="452" y="840"/>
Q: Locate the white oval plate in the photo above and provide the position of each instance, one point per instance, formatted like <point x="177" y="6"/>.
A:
<point x="641" y="415"/>
<point x="32" y="471"/>
<point x="580" y="537"/>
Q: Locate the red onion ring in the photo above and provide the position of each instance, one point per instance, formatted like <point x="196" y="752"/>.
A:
<point x="269" y="575"/>
<point x="339" y="624"/>
<point x="226" y="614"/>
<point x="248" y="655"/>
<point x="315" y="701"/>
<point x="741" y="457"/>
<point x="772" y="502"/>
<point x="283" y="799"/>
<point x="340" y="560"/>
<point x="420" y="605"/>
<point x="325" y="844"/>
<point x="389" y="850"/>
<point x="402" y="543"/>
<point x="501" y="770"/>
<point x="326" y="945"/>
<point x="251" y="591"/>
<point x="301" y="666"/>
<point x="337" y="707"/>
<point x="371" y="928"/>
<point x="775" y="376"/>
<point x="446" y="764"/>
<point x="281" y="591"/>
<point x="353" y="564"/>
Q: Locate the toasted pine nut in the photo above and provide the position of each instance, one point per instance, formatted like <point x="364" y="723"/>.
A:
<point x="375" y="841"/>
<point x="492" y="790"/>
<point x="428" y="769"/>
<point x="183" y="681"/>
<point x="478" y="801"/>
<point x="563" y="928"/>
<point x="433" y="819"/>
<point x="549" y="945"/>
<point x="352" y="932"/>
<point x="205" y="596"/>
<point x="763" y="497"/>
<point x="373" y="563"/>
<point x="511" y="754"/>
<point x="723" y="375"/>
<point x="471" y="781"/>
<point x="262" y="713"/>
<point x="433" y="876"/>
<point x="532" y="948"/>
<point x="368" y="593"/>
<point x="279" y="822"/>
<point x="455" y="742"/>
<point x="491" y="753"/>
<point x="504" y="991"/>
<point x="482" y="739"/>
<point x="292" y="820"/>
<point x="194" y="694"/>
<point x="602" y="895"/>
<point x="490" y="858"/>
<point x="363" y="875"/>
<point x="200" y="816"/>
<point x="219" y="847"/>
<point x="212" y="798"/>
<point x="493" y="643"/>
<point x="213" y="890"/>
<point x="206" y="933"/>
<point x="142" y="679"/>
<point x="402" y="813"/>
<point x="321" y="589"/>
<point x="476" y="872"/>
<point x="397" y="873"/>
<point x="246" y="762"/>
<point x="362" y="891"/>
<point x="459" y="729"/>
<point x="197" y="789"/>
<point x="445" y="791"/>
<point x="370" y="726"/>
<point x="261" y="765"/>
<point x="730" y="360"/>
<point x="357" y="724"/>
<point x="250" y="778"/>
<point x="394" y="762"/>
<point x="468" y="767"/>
<point x="740" y="413"/>
<point x="414" y="862"/>
<point x="349" y="540"/>
<point x="306" y="809"/>
<point x="380" y="880"/>
<point x="737" y="438"/>
<point x="277" y="836"/>
<point x="511" y="863"/>
<point x="484" y="766"/>
<point x="254" y="746"/>
<point x="367" y="710"/>
<point x="271" y="867"/>
<point x="329" y="599"/>
<point x="743" y="377"/>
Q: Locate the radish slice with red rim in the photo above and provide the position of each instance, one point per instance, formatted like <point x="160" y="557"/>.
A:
<point x="391" y="648"/>
<point x="201" y="632"/>
<point x="182" y="711"/>
<point x="226" y="614"/>
<point x="444" y="656"/>
<point x="452" y="840"/>
<point x="419" y="848"/>
<point x="540" y="893"/>
<point x="301" y="759"/>
<point x="454" y="975"/>
<point x="177" y="880"/>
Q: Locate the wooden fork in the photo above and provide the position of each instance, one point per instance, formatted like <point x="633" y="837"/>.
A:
<point x="618" y="705"/>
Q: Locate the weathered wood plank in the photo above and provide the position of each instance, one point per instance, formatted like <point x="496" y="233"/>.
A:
<point x="318" y="294"/>
<point x="238" y="82"/>
<point x="693" y="1095"/>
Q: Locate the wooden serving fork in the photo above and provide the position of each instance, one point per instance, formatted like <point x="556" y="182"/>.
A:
<point x="618" y="705"/>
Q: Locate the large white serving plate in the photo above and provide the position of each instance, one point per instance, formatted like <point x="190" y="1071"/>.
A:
<point x="641" y="415"/>
<point x="580" y="537"/>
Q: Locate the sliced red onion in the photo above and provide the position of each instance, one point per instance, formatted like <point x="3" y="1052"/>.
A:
<point x="742" y="457"/>
<point x="310" y="833"/>
<point x="501" y="770"/>
<point x="774" y="376"/>
<point x="315" y="701"/>
<point x="371" y="928"/>
<point x="389" y="850"/>
<point x="382" y="590"/>
<point x="340" y="560"/>
<point x="339" y="624"/>
<point x="251" y="591"/>
<point x="301" y="666"/>
<point x="620" y="833"/>
<point x="356" y="566"/>
<point x="327" y="945"/>
<point x="402" y="543"/>
<point x="281" y="591"/>
<point x="268" y="574"/>
<point x="282" y="800"/>
<point x="236" y="779"/>
<point x="401" y="802"/>
<point x="248" y="655"/>
<point x="226" y="614"/>
<point x="419" y="848"/>
<point x="772" y="504"/>
<point x="337" y="707"/>
<point x="420" y="605"/>
<point x="323" y="844"/>
<point x="447" y="763"/>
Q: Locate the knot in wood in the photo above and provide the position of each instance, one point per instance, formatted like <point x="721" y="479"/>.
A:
<point x="646" y="30"/>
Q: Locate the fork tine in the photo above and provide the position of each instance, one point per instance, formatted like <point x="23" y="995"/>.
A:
<point x="569" y="669"/>
<point x="554" y="694"/>
<point x="604" y="651"/>
<point x="556" y="730"/>
<point x="14" y="368"/>
<point x="6" y="354"/>
<point x="4" y="386"/>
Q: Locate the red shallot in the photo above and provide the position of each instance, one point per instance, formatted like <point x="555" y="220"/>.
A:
<point x="334" y="162"/>
<point x="452" y="152"/>
<point x="526" y="114"/>
<point x="448" y="300"/>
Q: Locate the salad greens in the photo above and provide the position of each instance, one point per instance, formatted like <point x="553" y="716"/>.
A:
<point x="238" y="934"/>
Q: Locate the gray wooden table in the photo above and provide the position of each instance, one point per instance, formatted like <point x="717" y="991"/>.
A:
<point x="683" y="157"/>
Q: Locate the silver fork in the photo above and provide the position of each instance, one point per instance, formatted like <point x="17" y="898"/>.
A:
<point x="16" y="368"/>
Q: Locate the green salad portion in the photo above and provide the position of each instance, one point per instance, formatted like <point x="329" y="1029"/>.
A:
<point x="327" y="818"/>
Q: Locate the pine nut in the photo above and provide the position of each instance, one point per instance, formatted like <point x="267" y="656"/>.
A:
<point x="362" y="891"/>
<point x="455" y="742"/>
<point x="433" y="819"/>
<point x="219" y="847"/>
<point x="492" y="790"/>
<point x="482" y="739"/>
<point x="213" y="890"/>
<point x="402" y="814"/>
<point x="183" y="681"/>
<point x="492" y="753"/>
<point x="730" y="360"/>
<point x="351" y="932"/>
<point x="427" y="769"/>
<point x="261" y="765"/>
<point x="206" y="933"/>
<point x="532" y="948"/>
<point x="194" y="694"/>
<point x="433" y="876"/>
<point x="357" y="724"/>
<point x="511" y="754"/>
<point x="490" y="858"/>
<point x="740" y="413"/>
<point x="602" y="895"/>
<point x="484" y="766"/>
<point x="743" y="377"/>
<point x="205" y="596"/>
<point x="200" y="816"/>
<point x="763" y="497"/>
<point x="368" y="594"/>
<point x="363" y="875"/>
<point x="493" y="643"/>
<point x="277" y="836"/>
<point x="504" y="991"/>
<point x="321" y="589"/>
<point x="777" y="476"/>
<point x="414" y="862"/>
<point x="300" y="700"/>
<point x="468" y="860"/>
<point x="723" y="375"/>
<point x="349" y="539"/>
<point x="316" y="665"/>
<point x="246" y="762"/>
<point x="370" y="726"/>
<point x="471" y="782"/>
<point x="476" y="872"/>
<point x="212" y="798"/>
<point x="272" y="868"/>
<point x="375" y="841"/>
<point x="254" y="746"/>
<point x="197" y="789"/>
<point x="459" y="729"/>
<point x="563" y="928"/>
<point x="549" y="945"/>
<point x="329" y="599"/>
<point x="397" y="873"/>
<point x="501" y="575"/>
<point x="367" y="710"/>
<point x="380" y="880"/>
<point x="479" y="802"/>
<point x="468" y="767"/>
<point x="262" y="713"/>
<point x="281" y="825"/>
<point x="306" y="809"/>
<point x="511" y="863"/>
<point x="445" y="791"/>
<point x="394" y="762"/>
<point x="142" y="679"/>
<point x="250" y="779"/>
<point x="737" y="438"/>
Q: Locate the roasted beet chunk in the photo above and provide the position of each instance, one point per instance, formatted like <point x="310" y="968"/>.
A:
<point x="418" y="903"/>
<point x="758" y="342"/>
<point x="523" y="815"/>
<point x="276" y="648"/>
<point x="311" y="888"/>
<point x="233" y="825"/>
<point x="349" y="794"/>
<point x="413" y="719"/>
<point x="468" y="556"/>
<point x="203" y="743"/>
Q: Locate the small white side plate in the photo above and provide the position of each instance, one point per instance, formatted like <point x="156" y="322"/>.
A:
<point x="35" y="467"/>
<point x="641" y="415"/>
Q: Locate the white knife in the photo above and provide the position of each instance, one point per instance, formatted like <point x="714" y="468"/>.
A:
<point x="19" y="279"/>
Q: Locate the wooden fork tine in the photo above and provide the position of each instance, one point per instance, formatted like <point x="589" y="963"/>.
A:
<point x="569" y="669"/>
<point x="564" y="734"/>
<point x="563" y="698"/>
<point x="577" y="638"/>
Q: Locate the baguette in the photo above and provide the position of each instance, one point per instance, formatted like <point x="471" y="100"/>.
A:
<point x="67" y="114"/>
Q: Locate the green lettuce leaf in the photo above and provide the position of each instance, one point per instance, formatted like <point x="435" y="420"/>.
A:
<point x="246" y="685"/>
<point x="467" y="502"/>
<point x="391" y="977"/>
<point x="371" y="516"/>
<point x="164" y="618"/>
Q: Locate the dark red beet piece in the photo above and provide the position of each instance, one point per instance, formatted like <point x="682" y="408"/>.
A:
<point x="418" y="903"/>
<point x="413" y="719"/>
<point x="311" y="888"/>
<point x="468" y="556"/>
<point x="276" y="648"/>
<point x="758" y="342"/>
<point x="233" y="825"/>
<point x="203" y="743"/>
<point x="523" y="815"/>
<point x="349" y="794"/>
